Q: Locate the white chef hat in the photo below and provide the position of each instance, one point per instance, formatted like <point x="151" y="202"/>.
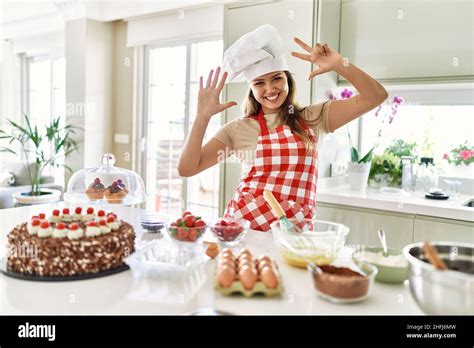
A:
<point x="254" y="54"/>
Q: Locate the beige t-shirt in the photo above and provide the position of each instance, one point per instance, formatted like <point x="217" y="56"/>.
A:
<point x="240" y="136"/>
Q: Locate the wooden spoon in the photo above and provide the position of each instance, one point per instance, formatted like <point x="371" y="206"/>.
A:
<point x="432" y="256"/>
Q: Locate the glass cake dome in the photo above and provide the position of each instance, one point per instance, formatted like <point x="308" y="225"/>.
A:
<point x="105" y="185"/>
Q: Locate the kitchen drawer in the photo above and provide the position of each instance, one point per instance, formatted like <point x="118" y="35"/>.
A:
<point x="436" y="229"/>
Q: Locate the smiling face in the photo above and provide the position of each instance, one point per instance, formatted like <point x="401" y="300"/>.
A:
<point x="270" y="90"/>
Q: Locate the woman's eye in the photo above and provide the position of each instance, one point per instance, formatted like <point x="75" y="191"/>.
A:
<point x="277" y="78"/>
<point x="258" y="84"/>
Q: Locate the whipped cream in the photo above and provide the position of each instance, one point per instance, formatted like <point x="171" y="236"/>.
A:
<point x="92" y="231"/>
<point x="75" y="234"/>
<point x="45" y="232"/>
<point x="59" y="233"/>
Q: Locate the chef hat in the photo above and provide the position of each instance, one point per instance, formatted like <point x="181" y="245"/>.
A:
<point x="254" y="54"/>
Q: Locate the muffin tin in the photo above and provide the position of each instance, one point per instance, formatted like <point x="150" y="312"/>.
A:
<point x="247" y="276"/>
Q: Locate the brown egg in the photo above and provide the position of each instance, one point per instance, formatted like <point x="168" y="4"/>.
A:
<point x="248" y="277"/>
<point x="225" y="263"/>
<point x="247" y="263"/>
<point x="269" y="278"/>
<point x="227" y="257"/>
<point x="264" y="263"/>
<point x="212" y="249"/>
<point x="245" y="252"/>
<point x="226" y="276"/>
<point x="227" y="251"/>
<point x="264" y="258"/>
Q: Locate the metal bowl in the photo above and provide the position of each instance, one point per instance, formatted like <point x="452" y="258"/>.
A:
<point x="442" y="292"/>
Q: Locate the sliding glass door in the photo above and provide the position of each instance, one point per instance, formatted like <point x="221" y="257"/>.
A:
<point x="172" y="81"/>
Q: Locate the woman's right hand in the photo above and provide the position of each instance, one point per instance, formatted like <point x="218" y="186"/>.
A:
<point x="208" y="96"/>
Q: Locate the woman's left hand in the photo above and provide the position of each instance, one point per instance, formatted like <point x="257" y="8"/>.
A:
<point x="325" y="58"/>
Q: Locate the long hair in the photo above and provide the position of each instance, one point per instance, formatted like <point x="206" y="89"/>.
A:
<point x="290" y="113"/>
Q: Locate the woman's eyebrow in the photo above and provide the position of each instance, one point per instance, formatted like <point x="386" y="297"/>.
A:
<point x="257" y="80"/>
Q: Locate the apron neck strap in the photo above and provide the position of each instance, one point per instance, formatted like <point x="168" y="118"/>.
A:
<point x="262" y="121"/>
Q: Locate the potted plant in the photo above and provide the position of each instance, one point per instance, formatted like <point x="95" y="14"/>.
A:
<point x="385" y="170"/>
<point x="359" y="166"/>
<point x="461" y="159"/>
<point x="46" y="148"/>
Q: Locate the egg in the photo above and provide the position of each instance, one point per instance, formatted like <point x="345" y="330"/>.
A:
<point x="226" y="276"/>
<point x="227" y="251"/>
<point x="264" y="258"/>
<point x="269" y="278"/>
<point x="245" y="252"/>
<point x="225" y="263"/>
<point x="262" y="264"/>
<point x="247" y="263"/>
<point x="248" y="277"/>
<point x="212" y="249"/>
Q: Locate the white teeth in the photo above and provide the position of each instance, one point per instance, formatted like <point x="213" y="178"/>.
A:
<point x="272" y="98"/>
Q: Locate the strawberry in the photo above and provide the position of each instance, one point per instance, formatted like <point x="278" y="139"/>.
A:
<point x="90" y="210"/>
<point x="182" y="233"/>
<point x="223" y="223"/>
<point x="60" y="226"/>
<point x="110" y="219"/>
<point x="92" y="224"/>
<point x="42" y="216"/>
<point x="73" y="226"/>
<point x="199" y="223"/>
<point x="65" y="211"/>
<point x="102" y="222"/>
<point x="193" y="234"/>
<point x="101" y="213"/>
<point x="179" y="221"/>
<point x="45" y="224"/>
<point x="78" y="210"/>
<point x="190" y="220"/>
<point x="35" y="222"/>
<point x="55" y="212"/>
<point x="186" y="213"/>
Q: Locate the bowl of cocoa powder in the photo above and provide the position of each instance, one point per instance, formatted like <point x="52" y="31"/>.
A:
<point x="343" y="284"/>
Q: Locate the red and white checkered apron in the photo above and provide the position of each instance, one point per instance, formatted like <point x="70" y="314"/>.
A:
<point x="283" y="167"/>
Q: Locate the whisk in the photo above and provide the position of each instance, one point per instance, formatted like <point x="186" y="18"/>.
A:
<point x="279" y="212"/>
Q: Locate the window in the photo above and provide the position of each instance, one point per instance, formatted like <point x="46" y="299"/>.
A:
<point x="435" y="128"/>
<point x="171" y="93"/>
<point x="46" y="96"/>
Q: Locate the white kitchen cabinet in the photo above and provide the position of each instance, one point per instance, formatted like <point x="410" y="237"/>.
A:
<point x="436" y="229"/>
<point x="364" y="223"/>
<point x="399" y="40"/>
<point x="291" y="18"/>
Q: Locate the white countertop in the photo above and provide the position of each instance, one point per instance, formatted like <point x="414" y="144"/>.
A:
<point x="408" y="203"/>
<point x="119" y="293"/>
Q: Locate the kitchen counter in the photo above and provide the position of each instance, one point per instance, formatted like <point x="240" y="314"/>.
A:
<point x="408" y="203"/>
<point x="120" y="294"/>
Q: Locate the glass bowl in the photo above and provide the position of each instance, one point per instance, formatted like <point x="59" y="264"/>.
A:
<point x="341" y="284"/>
<point x="186" y="234"/>
<point x="229" y="230"/>
<point x="319" y="241"/>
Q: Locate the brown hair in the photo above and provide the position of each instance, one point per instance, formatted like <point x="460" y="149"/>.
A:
<point x="290" y="113"/>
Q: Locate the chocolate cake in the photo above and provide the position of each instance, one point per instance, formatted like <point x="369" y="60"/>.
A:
<point x="90" y="243"/>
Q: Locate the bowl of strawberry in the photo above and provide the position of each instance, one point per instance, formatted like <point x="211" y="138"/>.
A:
<point x="229" y="230"/>
<point x="187" y="228"/>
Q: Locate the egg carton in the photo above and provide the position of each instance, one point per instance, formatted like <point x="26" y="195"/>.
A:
<point x="259" y="288"/>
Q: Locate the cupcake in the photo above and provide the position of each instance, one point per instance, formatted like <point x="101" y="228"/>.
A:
<point x="96" y="190"/>
<point x="55" y="218"/>
<point x="45" y="230"/>
<point x="60" y="230"/>
<point x="75" y="232"/>
<point x="92" y="229"/>
<point x="115" y="193"/>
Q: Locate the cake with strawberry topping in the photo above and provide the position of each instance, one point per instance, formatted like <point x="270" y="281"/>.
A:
<point x="70" y="246"/>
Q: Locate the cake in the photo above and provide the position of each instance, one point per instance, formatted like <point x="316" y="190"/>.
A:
<point x="91" y="243"/>
<point x="96" y="190"/>
<point x="116" y="192"/>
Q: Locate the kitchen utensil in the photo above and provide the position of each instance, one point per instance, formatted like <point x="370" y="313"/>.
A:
<point x="383" y="241"/>
<point x="232" y="232"/>
<point x="392" y="274"/>
<point x="279" y="212"/>
<point x="436" y="193"/>
<point x="442" y="292"/>
<point x="407" y="173"/>
<point x="431" y="254"/>
<point x="319" y="241"/>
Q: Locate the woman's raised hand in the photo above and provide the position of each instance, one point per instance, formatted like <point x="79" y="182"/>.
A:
<point x="325" y="58"/>
<point x="208" y="96"/>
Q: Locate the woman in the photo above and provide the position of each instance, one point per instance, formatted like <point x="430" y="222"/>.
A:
<point x="275" y="139"/>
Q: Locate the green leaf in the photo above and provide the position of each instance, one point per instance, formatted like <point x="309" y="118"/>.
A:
<point x="368" y="156"/>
